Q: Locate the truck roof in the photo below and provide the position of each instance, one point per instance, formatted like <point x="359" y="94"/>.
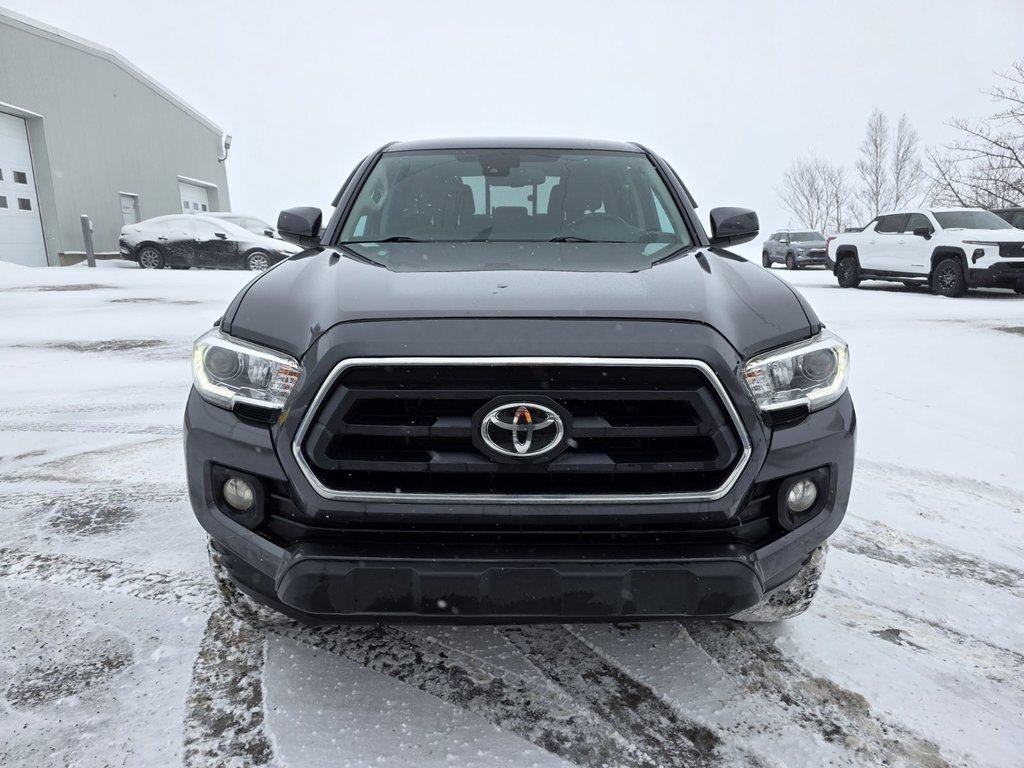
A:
<point x="512" y="143"/>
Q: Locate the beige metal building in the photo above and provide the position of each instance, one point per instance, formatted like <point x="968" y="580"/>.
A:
<point x="83" y="131"/>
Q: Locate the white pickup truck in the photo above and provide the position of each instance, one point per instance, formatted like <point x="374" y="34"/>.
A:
<point x="946" y="249"/>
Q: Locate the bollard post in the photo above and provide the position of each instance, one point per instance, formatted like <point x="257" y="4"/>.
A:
<point x="90" y="254"/>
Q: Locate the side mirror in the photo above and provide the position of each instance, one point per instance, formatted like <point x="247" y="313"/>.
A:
<point x="732" y="226"/>
<point x="925" y="232"/>
<point x="300" y="225"/>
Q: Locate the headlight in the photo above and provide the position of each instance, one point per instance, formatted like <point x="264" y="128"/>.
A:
<point x="799" y="251"/>
<point x="226" y="371"/>
<point x="811" y="373"/>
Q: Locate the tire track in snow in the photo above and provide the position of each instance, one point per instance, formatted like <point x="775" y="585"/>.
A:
<point x="224" y="719"/>
<point x="178" y="588"/>
<point x="999" y="664"/>
<point x="957" y="483"/>
<point x="42" y="502"/>
<point x="164" y="430"/>
<point x="86" y="408"/>
<point x="555" y="723"/>
<point x="839" y="715"/>
<point x="663" y="737"/>
<point x="887" y="545"/>
<point x="224" y="714"/>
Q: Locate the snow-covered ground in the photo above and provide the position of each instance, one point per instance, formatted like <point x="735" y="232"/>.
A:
<point x="113" y="651"/>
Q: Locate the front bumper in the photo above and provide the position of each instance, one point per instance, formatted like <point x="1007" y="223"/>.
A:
<point x="811" y="258"/>
<point x="323" y="561"/>
<point x="1002" y="274"/>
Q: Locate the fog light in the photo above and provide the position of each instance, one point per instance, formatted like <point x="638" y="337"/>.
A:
<point x="801" y="496"/>
<point x="239" y="494"/>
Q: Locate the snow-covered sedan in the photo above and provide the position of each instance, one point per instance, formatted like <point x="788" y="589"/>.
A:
<point x="251" y="223"/>
<point x="199" y="241"/>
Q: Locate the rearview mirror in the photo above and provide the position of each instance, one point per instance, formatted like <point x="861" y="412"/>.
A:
<point x="300" y="225"/>
<point x="925" y="232"/>
<point x="732" y="226"/>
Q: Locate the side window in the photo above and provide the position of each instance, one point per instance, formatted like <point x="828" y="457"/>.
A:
<point x="916" y="220"/>
<point x="203" y="230"/>
<point x="890" y="224"/>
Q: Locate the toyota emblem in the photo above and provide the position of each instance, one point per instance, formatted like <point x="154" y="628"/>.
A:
<point x="522" y="430"/>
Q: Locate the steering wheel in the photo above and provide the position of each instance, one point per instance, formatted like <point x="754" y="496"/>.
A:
<point x="602" y="226"/>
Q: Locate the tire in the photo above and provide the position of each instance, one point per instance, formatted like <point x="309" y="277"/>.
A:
<point x="790" y="261"/>
<point x="847" y="272"/>
<point x="235" y="601"/>
<point x="766" y="261"/>
<point x="257" y="261"/>
<point x="948" y="278"/>
<point x="1019" y="289"/>
<point x="151" y="257"/>
<point x="794" y="597"/>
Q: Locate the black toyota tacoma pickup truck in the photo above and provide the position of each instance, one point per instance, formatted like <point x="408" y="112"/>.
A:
<point x="515" y="380"/>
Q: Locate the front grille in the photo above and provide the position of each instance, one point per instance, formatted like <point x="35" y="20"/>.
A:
<point x="1011" y="250"/>
<point x="402" y="429"/>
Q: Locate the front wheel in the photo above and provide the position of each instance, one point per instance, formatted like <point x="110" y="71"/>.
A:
<point x="790" y="261"/>
<point x="257" y="261"/>
<point x="766" y="261"/>
<point x="948" y="278"/>
<point x="848" y="273"/>
<point x="794" y="597"/>
<point x="151" y="257"/>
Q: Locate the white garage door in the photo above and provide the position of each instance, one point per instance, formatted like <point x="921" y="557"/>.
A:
<point x="194" y="199"/>
<point x="21" y="234"/>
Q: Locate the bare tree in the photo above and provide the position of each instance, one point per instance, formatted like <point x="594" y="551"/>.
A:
<point x="803" y="192"/>
<point x="985" y="168"/>
<point x="839" y="211"/>
<point x="907" y="175"/>
<point x="875" y="192"/>
<point x="818" y="194"/>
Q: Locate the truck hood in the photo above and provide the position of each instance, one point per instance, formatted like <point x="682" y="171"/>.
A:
<point x="290" y="306"/>
<point x="987" y="235"/>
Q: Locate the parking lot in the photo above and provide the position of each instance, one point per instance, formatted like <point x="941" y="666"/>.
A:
<point x="114" y="650"/>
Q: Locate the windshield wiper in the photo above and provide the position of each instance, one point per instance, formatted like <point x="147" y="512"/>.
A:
<point x="392" y="239"/>
<point x="574" y="239"/>
<point x="673" y="254"/>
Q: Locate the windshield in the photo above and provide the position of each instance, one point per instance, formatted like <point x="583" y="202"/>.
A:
<point x="970" y="220"/>
<point x="806" y="237"/>
<point x="515" y="196"/>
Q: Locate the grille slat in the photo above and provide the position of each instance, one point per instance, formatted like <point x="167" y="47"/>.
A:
<point x="410" y="429"/>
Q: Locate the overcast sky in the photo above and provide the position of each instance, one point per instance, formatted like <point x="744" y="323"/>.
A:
<point x="729" y="92"/>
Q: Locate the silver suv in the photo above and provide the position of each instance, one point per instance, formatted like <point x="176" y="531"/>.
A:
<point x="794" y="248"/>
